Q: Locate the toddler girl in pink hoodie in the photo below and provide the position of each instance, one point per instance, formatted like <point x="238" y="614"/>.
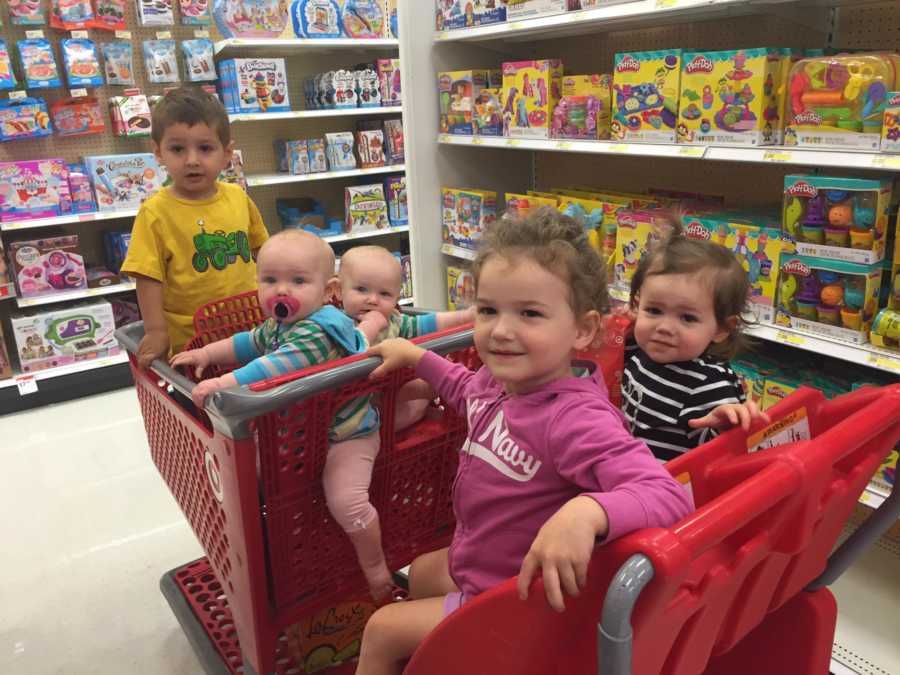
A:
<point x="548" y="465"/>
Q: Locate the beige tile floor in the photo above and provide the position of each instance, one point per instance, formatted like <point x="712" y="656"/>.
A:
<point x="87" y="528"/>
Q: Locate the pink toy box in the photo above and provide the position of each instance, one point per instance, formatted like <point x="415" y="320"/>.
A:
<point x="60" y="337"/>
<point x="47" y="266"/>
<point x="531" y="90"/>
<point x="32" y="189"/>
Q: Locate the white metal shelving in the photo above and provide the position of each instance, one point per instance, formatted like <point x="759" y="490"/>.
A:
<point x="366" y="234"/>
<point x="68" y="296"/>
<point x="312" y="114"/>
<point x="457" y="252"/>
<point x="67" y="219"/>
<point x="761" y="155"/>
<point x="78" y="367"/>
<point x="261" y="179"/>
<point x="278" y="47"/>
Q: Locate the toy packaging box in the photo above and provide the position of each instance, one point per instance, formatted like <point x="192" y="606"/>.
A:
<point x="457" y="91"/>
<point x="130" y="114"/>
<point x="528" y="9"/>
<point x="839" y="101"/>
<point x="305" y="213"/>
<point x="894" y="296"/>
<point x="465" y="214"/>
<point x="599" y="222"/>
<point x="837" y="218"/>
<point x="406" y="280"/>
<point x="890" y="130"/>
<point x="251" y="18"/>
<point x="488" y="112"/>
<point x="519" y="205"/>
<point x="24" y="118"/>
<point x="32" y="189"/>
<point x="365" y="208"/>
<point x="454" y="14"/>
<point x="531" y="90"/>
<point x="730" y="97"/>
<point x="5" y="363"/>
<point x="115" y="248"/>
<point x="398" y="205"/>
<point x="460" y="288"/>
<point x="886" y="329"/>
<point x="62" y="336"/>
<point x="47" y="266"/>
<point x="389" y="81"/>
<point x="645" y="96"/>
<point x="254" y="85"/>
<point x="292" y="156"/>
<point x="583" y="112"/>
<point x="124" y="181"/>
<point x="830" y="297"/>
<point x="637" y="231"/>
<point x="756" y="247"/>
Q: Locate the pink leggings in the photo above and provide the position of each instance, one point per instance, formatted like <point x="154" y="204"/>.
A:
<point x="348" y="472"/>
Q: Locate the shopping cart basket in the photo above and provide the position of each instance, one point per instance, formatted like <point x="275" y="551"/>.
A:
<point x="735" y="588"/>
<point x="280" y="579"/>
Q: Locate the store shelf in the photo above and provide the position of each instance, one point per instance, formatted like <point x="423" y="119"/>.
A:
<point x="643" y="14"/>
<point x="67" y="382"/>
<point x="267" y="47"/>
<point x="313" y="114"/>
<point x="65" y="220"/>
<point x="765" y="155"/>
<point x="76" y="295"/>
<point x="872" y="496"/>
<point x="457" y="252"/>
<point x="863" y="355"/>
<point x="366" y="234"/>
<point x="407" y="302"/>
<point x="280" y="178"/>
<point x="865" y="640"/>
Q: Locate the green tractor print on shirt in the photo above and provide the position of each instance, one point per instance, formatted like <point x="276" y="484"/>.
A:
<point x="219" y="249"/>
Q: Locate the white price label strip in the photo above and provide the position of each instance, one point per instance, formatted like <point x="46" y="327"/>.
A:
<point x="78" y="93"/>
<point x="34" y="34"/>
<point x="17" y="94"/>
<point x="80" y="34"/>
<point x="790" y="338"/>
<point x="879" y="162"/>
<point x="692" y="151"/>
<point x="26" y="384"/>
<point x="123" y="34"/>
<point x="777" y="156"/>
<point x="163" y="35"/>
<point x="885" y="362"/>
<point x="201" y="33"/>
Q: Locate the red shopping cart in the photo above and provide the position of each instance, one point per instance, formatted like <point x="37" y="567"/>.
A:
<point x="279" y="590"/>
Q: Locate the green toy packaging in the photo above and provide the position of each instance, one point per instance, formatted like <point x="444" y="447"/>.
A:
<point x="829" y="297"/>
<point x="837" y="218"/>
<point x="645" y="96"/>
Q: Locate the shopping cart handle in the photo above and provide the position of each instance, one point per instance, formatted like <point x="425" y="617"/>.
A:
<point x="130" y="338"/>
<point x="236" y="406"/>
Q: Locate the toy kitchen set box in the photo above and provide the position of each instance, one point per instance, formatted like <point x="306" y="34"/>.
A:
<point x="59" y="337"/>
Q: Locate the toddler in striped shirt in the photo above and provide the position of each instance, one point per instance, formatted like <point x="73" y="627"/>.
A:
<point x="678" y="390"/>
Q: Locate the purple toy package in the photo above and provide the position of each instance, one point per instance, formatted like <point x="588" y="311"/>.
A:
<point x="47" y="266"/>
<point x="32" y="189"/>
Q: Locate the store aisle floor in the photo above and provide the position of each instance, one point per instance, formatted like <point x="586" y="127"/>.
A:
<point x="87" y="529"/>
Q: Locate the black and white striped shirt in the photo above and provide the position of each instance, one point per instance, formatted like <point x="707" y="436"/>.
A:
<point x="660" y="398"/>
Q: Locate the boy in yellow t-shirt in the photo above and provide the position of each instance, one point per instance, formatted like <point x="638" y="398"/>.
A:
<point x="194" y="241"/>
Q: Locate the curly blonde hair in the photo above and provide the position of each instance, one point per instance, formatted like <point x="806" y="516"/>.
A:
<point x="557" y="243"/>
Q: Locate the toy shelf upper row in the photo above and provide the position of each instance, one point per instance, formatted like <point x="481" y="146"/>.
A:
<point x="612" y="16"/>
<point x="770" y="154"/>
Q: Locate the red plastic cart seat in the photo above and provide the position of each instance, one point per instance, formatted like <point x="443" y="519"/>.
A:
<point x="726" y="595"/>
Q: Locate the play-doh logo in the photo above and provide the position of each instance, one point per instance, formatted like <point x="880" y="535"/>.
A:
<point x="628" y="64"/>
<point x="795" y="266"/>
<point x="808" y="117"/>
<point x="699" y="64"/>
<point x="894" y="100"/>
<point x="626" y="220"/>
<point x="696" y="230"/>
<point x="802" y="189"/>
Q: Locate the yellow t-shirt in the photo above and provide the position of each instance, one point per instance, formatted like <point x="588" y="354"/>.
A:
<point x="198" y="250"/>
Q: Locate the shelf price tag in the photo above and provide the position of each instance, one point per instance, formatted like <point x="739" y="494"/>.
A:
<point x="620" y="148"/>
<point x="163" y="35"/>
<point x="881" y="162"/>
<point x="78" y="93"/>
<point x="777" y="156"/>
<point x="564" y="145"/>
<point x="443" y="138"/>
<point x="692" y="151"/>
<point x="790" y="339"/>
<point x="884" y="362"/>
<point x="34" y="34"/>
<point x="18" y="94"/>
<point x="123" y="34"/>
<point x="516" y="25"/>
<point x="26" y="384"/>
<point x="666" y="4"/>
<point x="513" y="142"/>
<point x="477" y="140"/>
<point x="200" y="33"/>
<point x="80" y="34"/>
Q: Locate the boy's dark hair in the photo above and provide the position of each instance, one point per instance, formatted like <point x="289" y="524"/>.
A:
<point x="191" y="106"/>
<point x="719" y="269"/>
<point x="558" y="244"/>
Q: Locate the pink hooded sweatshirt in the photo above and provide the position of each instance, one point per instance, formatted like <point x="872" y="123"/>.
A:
<point x="512" y="477"/>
